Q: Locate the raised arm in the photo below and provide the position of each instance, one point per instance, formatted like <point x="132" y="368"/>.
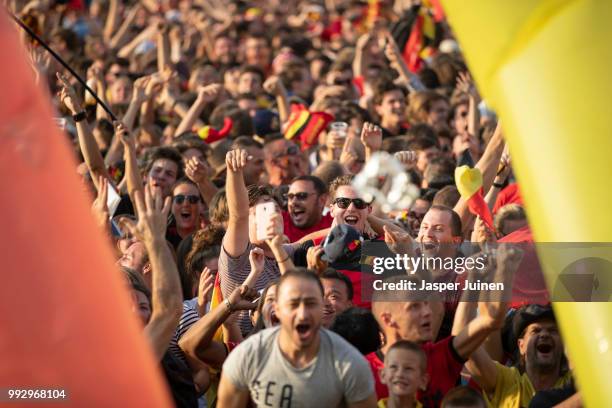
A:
<point x="466" y="84"/>
<point x="371" y="137"/>
<point x="237" y="235"/>
<point x="87" y="143"/>
<point x="198" y="342"/>
<point x="206" y="95"/>
<point x="166" y="295"/>
<point x="132" y="175"/>
<point x="275" y="241"/>
<point x="111" y="20"/>
<point x="468" y="342"/>
<point x="488" y="166"/>
<point x="163" y="47"/>
<point x="274" y="86"/>
<point x="199" y="172"/>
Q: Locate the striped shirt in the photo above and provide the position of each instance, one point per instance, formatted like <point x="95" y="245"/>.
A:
<point x="188" y="318"/>
<point x="234" y="271"/>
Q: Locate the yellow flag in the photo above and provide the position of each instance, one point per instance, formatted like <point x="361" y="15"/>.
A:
<point x="544" y="67"/>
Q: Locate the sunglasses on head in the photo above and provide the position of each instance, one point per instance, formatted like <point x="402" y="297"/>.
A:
<point x="301" y="196"/>
<point x="344" y="203"/>
<point x="180" y="199"/>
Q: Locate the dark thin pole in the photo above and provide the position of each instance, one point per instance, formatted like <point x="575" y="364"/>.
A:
<point x="64" y="64"/>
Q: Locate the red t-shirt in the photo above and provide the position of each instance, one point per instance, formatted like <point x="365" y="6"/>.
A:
<point x="295" y="234"/>
<point x="443" y="366"/>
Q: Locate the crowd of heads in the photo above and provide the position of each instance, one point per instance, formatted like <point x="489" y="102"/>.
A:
<point x="176" y="73"/>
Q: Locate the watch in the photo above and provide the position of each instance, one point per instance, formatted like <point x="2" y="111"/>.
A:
<point x="82" y="115"/>
<point x="498" y="185"/>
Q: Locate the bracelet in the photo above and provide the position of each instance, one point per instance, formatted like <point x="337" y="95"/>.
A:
<point x="82" y="115"/>
<point x="498" y="185"/>
<point x="284" y="260"/>
<point x="228" y="305"/>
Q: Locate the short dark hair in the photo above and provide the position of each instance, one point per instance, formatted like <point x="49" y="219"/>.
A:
<point x="422" y="143"/>
<point x="253" y="70"/>
<point x="329" y="171"/>
<point x="358" y="327"/>
<point x="256" y="192"/>
<point x="463" y="396"/>
<point x="410" y="346"/>
<point x="455" y="221"/>
<point x="168" y="153"/>
<point x="385" y="86"/>
<point x="447" y="196"/>
<point x="242" y="142"/>
<point x="331" y="273"/>
<point x="318" y="184"/>
<point x="299" y="273"/>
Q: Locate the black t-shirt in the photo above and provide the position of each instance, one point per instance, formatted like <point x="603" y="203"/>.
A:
<point x="550" y="398"/>
<point x="180" y="381"/>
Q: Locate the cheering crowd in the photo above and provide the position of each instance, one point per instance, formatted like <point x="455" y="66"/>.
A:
<point x="227" y="108"/>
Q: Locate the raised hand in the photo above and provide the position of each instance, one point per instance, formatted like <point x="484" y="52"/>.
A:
<point x="314" y="261"/>
<point x="242" y="298"/>
<point x="68" y="96"/>
<point x="236" y="160"/>
<point x="140" y="89"/>
<point x="398" y="240"/>
<point x="152" y="215"/>
<point x="124" y="135"/>
<point x="205" y="288"/>
<point x="197" y="170"/>
<point x="274" y="230"/>
<point x="407" y="157"/>
<point x="99" y="207"/>
<point x="257" y="259"/>
<point x="209" y="93"/>
<point x="371" y="136"/>
<point x="274" y="86"/>
<point x="465" y="84"/>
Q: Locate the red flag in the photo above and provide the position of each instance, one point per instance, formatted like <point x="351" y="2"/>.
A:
<point x="66" y="314"/>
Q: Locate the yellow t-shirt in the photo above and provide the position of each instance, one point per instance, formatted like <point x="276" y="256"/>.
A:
<point x="514" y="390"/>
<point x="382" y="403"/>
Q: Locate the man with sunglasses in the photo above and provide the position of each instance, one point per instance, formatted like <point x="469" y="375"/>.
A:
<point x="282" y="161"/>
<point x="305" y="203"/>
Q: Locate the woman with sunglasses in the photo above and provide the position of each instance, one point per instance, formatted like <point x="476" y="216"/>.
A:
<point x="186" y="209"/>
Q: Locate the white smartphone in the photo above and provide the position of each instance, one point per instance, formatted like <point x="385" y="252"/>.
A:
<point x="112" y="200"/>
<point x="263" y="212"/>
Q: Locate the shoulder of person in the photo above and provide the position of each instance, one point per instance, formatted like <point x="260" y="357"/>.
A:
<point x="343" y="350"/>
<point x="254" y="346"/>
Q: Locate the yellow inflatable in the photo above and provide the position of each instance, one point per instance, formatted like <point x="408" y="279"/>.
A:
<point x="544" y="66"/>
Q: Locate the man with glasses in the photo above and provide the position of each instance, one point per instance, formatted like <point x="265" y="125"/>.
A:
<point x="305" y="203"/>
<point x="282" y="161"/>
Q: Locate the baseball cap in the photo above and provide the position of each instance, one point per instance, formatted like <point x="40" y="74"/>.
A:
<point x="342" y="242"/>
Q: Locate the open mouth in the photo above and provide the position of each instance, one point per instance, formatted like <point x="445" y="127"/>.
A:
<point x="298" y="214"/>
<point x="544" y="348"/>
<point x="430" y="246"/>
<point x="351" y="220"/>
<point x="273" y="319"/>
<point x="185" y="215"/>
<point x="303" y="329"/>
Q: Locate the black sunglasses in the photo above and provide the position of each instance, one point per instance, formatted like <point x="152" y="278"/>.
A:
<point x="301" y="196"/>
<point x="342" y="82"/>
<point x="344" y="203"/>
<point x="180" y="199"/>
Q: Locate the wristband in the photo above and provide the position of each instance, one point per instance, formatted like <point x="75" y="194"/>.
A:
<point x="82" y="115"/>
<point x="284" y="260"/>
<point x="228" y="305"/>
<point x="498" y="185"/>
